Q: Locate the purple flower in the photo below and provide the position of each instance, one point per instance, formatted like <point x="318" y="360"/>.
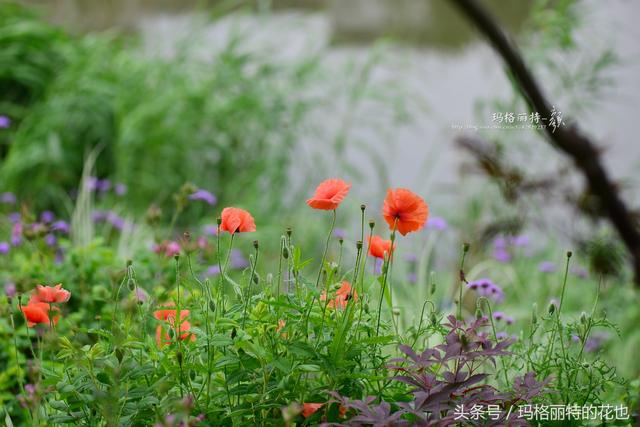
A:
<point x="211" y="230"/>
<point x="8" y="198"/>
<point x="412" y="277"/>
<point x="120" y="189"/>
<point x="4" y="248"/>
<point x="500" y="243"/>
<point x="10" y="289"/>
<point x="579" y="271"/>
<point x="485" y="287"/>
<point x="204" y="196"/>
<point x="498" y="315"/>
<point x="103" y="185"/>
<point x="520" y="241"/>
<point x="141" y="295"/>
<point x="16" y="234"/>
<point x="437" y="223"/>
<point x="411" y="258"/>
<point x="501" y="255"/>
<point x="509" y="320"/>
<point x="61" y="226"/>
<point x="98" y="216"/>
<point x="377" y="266"/>
<point x="237" y="260"/>
<point x="59" y="258"/>
<point x="47" y="216"/>
<point x="5" y="122"/>
<point x="214" y="270"/>
<point x="50" y="240"/>
<point x="546" y="267"/>
<point x="92" y="183"/>
<point x="340" y="233"/>
<point x="30" y="388"/>
<point x="501" y="335"/>
<point x="14" y="217"/>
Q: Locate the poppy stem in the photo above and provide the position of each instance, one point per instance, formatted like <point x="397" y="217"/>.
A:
<point x="386" y="266"/>
<point x="248" y="297"/>
<point x="462" y="280"/>
<point x="324" y="256"/>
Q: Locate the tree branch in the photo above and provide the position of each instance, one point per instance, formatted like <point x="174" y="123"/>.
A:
<point x="567" y="139"/>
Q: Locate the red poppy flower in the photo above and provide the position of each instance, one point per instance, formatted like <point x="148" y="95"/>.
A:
<point x="38" y="312"/>
<point x="342" y="296"/>
<point x="378" y="247"/>
<point x="237" y="220"/>
<point x="168" y="314"/>
<point x="50" y="294"/>
<point x="404" y="209"/>
<point x="329" y="194"/>
<point x="309" y="409"/>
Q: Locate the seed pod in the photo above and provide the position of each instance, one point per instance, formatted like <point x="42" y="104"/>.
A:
<point x="372" y="224"/>
<point x="363" y="207"/>
<point x="219" y="220"/>
<point x="552" y="308"/>
<point x="212" y="306"/>
<point x="255" y="244"/>
<point x="359" y="244"/>
<point x="285" y="252"/>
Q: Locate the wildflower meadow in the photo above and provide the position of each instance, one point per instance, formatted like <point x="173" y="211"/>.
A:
<point x="215" y="233"/>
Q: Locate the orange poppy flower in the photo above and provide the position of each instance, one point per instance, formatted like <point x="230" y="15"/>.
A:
<point x="50" y="294"/>
<point x="309" y="409"/>
<point x="378" y="247"/>
<point x="38" y="312"/>
<point x="342" y="296"/>
<point x="237" y="220"/>
<point x="329" y="194"/>
<point x="404" y="209"/>
<point x="168" y="314"/>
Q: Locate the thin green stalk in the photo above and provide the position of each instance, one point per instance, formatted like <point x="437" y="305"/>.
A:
<point x="248" y="297"/>
<point x="386" y="265"/>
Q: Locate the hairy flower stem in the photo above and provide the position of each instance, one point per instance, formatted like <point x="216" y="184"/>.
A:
<point x="324" y="257"/>
<point x="556" y="326"/>
<point x="495" y="335"/>
<point x="462" y="279"/>
<point x="387" y="266"/>
<point x="223" y="272"/>
<point x="248" y="297"/>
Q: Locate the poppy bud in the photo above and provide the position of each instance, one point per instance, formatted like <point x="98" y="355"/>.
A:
<point x="583" y="318"/>
<point x="340" y="240"/>
<point x="179" y="356"/>
<point x="255" y="244"/>
<point x="219" y="220"/>
<point x="433" y="283"/>
<point x="552" y="308"/>
<point x="192" y="375"/>
<point x="479" y="314"/>
<point x="366" y="308"/>
<point x="129" y="263"/>
<point x="534" y="314"/>
<point x="465" y="247"/>
<point x="171" y="332"/>
<point x="569" y="254"/>
<point x="234" y="333"/>
<point x="396" y="311"/>
<point x="285" y="252"/>
<point x="434" y="319"/>
<point x="372" y="224"/>
<point x="119" y="355"/>
<point x="131" y="285"/>
<point x="255" y="278"/>
<point x="212" y="306"/>
<point x="176" y="257"/>
<point x="359" y="244"/>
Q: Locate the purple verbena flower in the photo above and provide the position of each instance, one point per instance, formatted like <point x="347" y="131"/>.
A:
<point x="4" y="248"/>
<point x="61" y="226"/>
<point x="412" y="278"/>
<point x="579" y="271"/>
<point x="501" y="255"/>
<point x="204" y="196"/>
<point x="141" y="295"/>
<point x="501" y="335"/>
<point x="5" y="122"/>
<point x="509" y="320"/>
<point x="92" y="183"/>
<point x="103" y="185"/>
<point x="47" y="216"/>
<point x="485" y="287"/>
<point x="14" y="217"/>
<point x="120" y="189"/>
<point x="10" y="289"/>
<point x="411" y="258"/>
<point x="546" y="267"/>
<point x="436" y="223"/>
<point x="50" y="240"/>
<point x="377" y="266"/>
<point x="521" y="240"/>
<point x="340" y="233"/>
<point x="498" y="315"/>
<point x="16" y="234"/>
<point x="214" y="270"/>
<point x="237" y="260"/>
<point x="8" y="198"/>
<point x="211" y="230"/>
